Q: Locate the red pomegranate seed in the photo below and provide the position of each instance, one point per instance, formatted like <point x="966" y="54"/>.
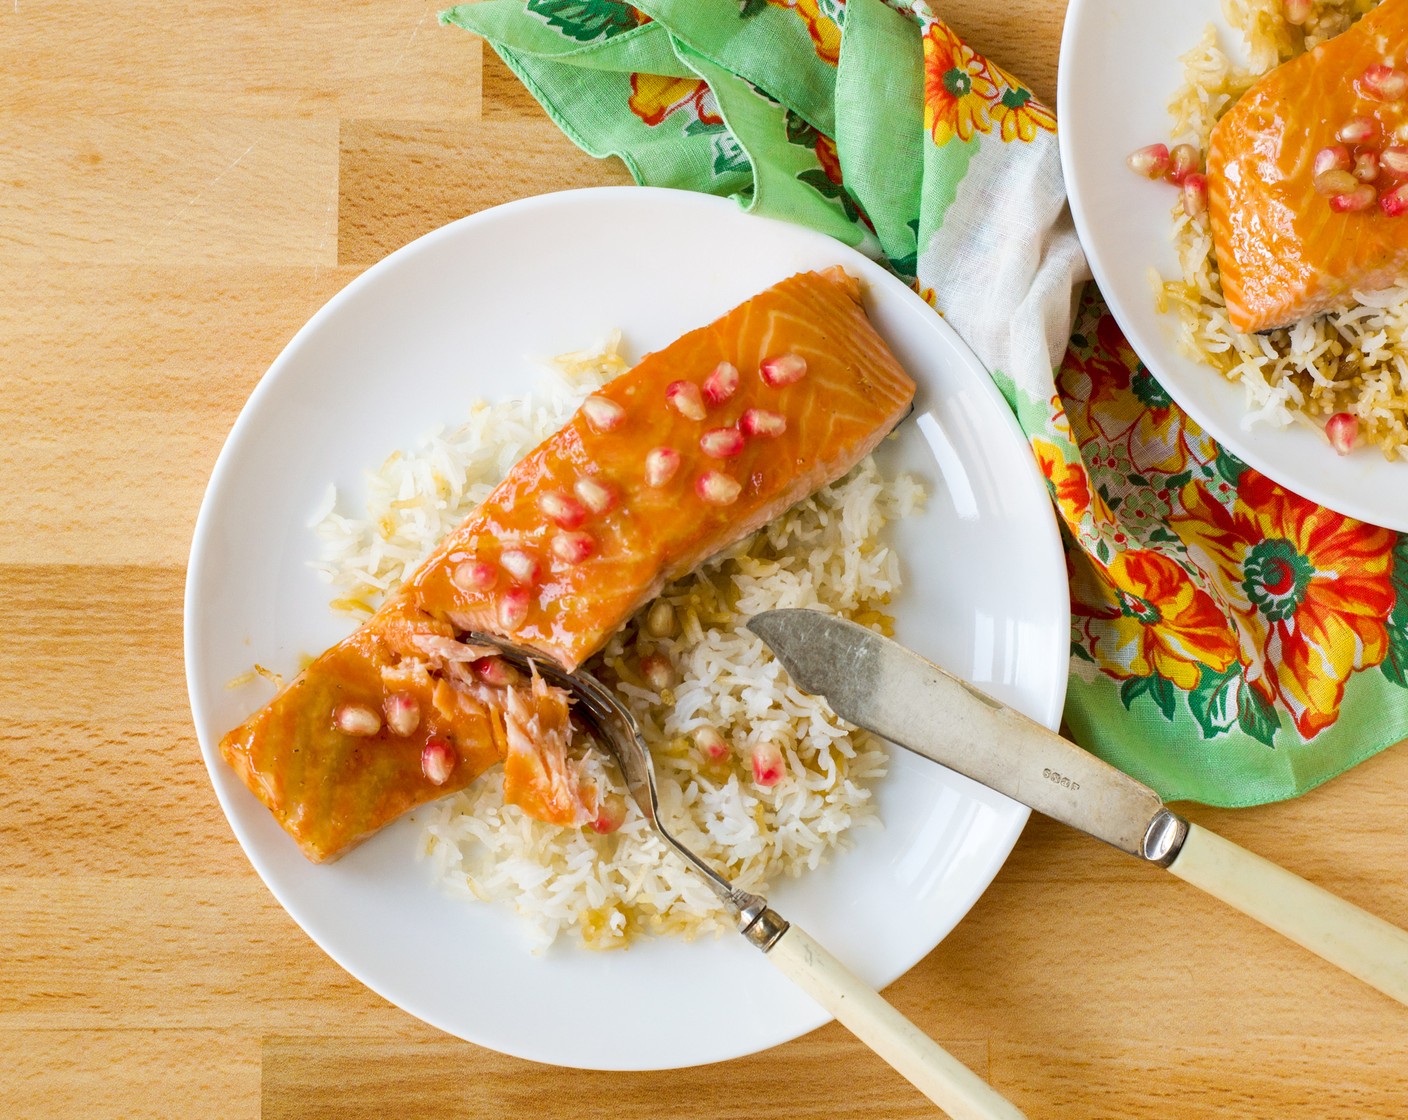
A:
<point x="1334" y="158"/>
<point x="566" y="512"/>
<point x="573" y="548"/>
<point x="1358" y="130"/>
<point x="722" y="383"/>
<point x="1361" y="198"/>
<point x="596" y="496"/>
<point x="1195" y="194"/>
<point x="402" y="713"/>
<point x="661" y="465"/>
<point x="522" y="566"/>
<point x="610" y="814"/>
<point x="1395" y="202"/>
<point x="768" y="765"/>
<point x="1296" y="11"/>
<point x="785" y="369"/>
<point x="711" y="744"/>
<point x="1394" y="161"/>
<point x="1150" y="161"/>
<point x="1342" y="430"/>
<point x="356" y="719"/>
<point x="437" y="761"/>
<point x="1182" y="162"/>
<point x="513" y="607"/>
<point x="686" y="399"/>
<point x="496" y="671"/>
<point x="602" y="413"/>
<point x="717" y="488"/>
<point x="1366" y="166"/>
<point x="659" y="670"/>
<point x="761" y="422"/>
<point x="1335" y="181"/>
<point x="1384" y="83"/>
<point x="721" y="443"/>
<point x="474" y="575"/>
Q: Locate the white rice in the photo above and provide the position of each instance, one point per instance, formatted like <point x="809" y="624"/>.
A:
<point x="826" y="553"/>
<point x="1354" y="360"/>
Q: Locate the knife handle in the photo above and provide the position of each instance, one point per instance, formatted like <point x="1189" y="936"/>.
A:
<point x="864" y="1012"/>
<point x="1353" y="939"/>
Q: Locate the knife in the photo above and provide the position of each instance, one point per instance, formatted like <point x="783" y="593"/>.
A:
<point x="878" y="684"/>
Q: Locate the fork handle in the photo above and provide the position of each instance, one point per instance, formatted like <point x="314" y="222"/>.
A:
<point x="864" y="1012"/>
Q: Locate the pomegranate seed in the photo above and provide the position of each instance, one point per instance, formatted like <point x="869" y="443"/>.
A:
<point x="513" y="608"/>
<point x="659" y="670"/>
<point x="1296" y="11"/>
<point x="602" y="413"/>
<point x="1366" y="166"/>
<point x="660" y="622"/>
<point x="717" y="488"/>
<point x="356" y="719"/>
<point x="610" y="814"/>
<point x="1361" y="198"/>
<point x="685" y="398"/>
<point x="474" y="575"/>
<point x="661" y="465"/>
<point x="573" y="548"/>
<point x="402" y="713"/>
<point x="1358" y="130"/>
<point x="1395" y="202"/>
<point x="785" y="369"/>
<point x="496" y="671"/>
<point x="1334" y="158"/>
<point x="596" y="496"/>
<point x="1384" y="82"/>
<point x="566" y="512"/>
<point x="768" y="766"/>
<point x="1182" y="162"/>
<point x="721" y="443"/>
<point x="1342" y="430"/>
<point x="1195" y="194"/>
<point x="1394" y="161"/>
<point x="722" y="383"/>
<point x="1335" y="182"/>
<point x="437" y="761"/>
<point x="522" y="566"/>
<point x="1150" y="161"/>
<point x="711" y="744"/>
<point x="761" y="422"/>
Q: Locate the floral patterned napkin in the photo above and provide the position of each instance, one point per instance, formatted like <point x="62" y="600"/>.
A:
<point x="1232" y="643"/>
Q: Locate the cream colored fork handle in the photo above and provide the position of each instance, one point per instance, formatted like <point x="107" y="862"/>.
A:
<point x="864" y="1012"/>
<point x="1355" y="940"/>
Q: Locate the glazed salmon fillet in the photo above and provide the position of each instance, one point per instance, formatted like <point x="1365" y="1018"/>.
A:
<point x="1289" y="248"/>
<point x="674" y="461"/>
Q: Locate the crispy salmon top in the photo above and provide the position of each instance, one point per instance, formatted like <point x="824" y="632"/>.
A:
<point x="1287" y="247"/>
<point x="670" y="463"/>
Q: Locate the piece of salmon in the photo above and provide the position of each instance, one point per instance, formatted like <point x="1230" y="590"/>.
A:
<point x="670" y="463"/>
<point x="1284" y="252"/>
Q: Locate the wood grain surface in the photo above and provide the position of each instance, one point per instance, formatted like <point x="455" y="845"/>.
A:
<point x="181" y="186"/>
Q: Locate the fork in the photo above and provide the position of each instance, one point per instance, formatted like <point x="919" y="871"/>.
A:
<point x="856" y="1005"/>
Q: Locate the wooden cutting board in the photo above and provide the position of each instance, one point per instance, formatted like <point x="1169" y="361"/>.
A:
<point x="181" y="186"/>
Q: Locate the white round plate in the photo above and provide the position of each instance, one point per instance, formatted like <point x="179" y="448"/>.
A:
<point x="1119" y="68"/>
<point x="460" y="314"/>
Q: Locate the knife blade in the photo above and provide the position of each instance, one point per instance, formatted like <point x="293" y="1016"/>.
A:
<point x="880" y="685"/>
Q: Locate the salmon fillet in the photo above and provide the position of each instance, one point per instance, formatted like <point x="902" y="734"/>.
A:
<point x="1283" y="251"/>
<point x="677" y="459"/>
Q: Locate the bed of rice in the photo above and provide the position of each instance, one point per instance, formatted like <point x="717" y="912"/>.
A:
<point x="826" y="553"/>
<point x="1355" y="360"/>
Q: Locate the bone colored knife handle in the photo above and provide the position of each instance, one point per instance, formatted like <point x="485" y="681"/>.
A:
<point x="1353" y="939"/>
<point x="864" y="1012"/>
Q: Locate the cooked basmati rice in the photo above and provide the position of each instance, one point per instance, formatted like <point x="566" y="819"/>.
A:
<point x="1354" y="360"/>
<point x="825" y="553"/>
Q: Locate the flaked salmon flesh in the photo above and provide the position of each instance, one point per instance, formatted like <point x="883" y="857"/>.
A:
<point x="1283" y="251"/>
<point x="581" y="533"/>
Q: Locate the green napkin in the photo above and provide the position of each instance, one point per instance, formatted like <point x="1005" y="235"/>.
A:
<point x="1232" y="643"/>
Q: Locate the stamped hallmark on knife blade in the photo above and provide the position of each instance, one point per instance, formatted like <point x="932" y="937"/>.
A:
<point x="1059" y="779"/>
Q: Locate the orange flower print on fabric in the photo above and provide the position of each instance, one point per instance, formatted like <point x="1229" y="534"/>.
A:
<point x="958" y="93"/>
<point x="1018" y="115"/>
<point x="1146" y="616"/>
<point x="1311" y="591"/>
<point x="654" y="97"/>
<point x="824" y="31"/>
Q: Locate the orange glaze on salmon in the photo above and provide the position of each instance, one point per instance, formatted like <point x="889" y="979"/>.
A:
<point x="1284" y="251"/>
<point x="670" y="463"/>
